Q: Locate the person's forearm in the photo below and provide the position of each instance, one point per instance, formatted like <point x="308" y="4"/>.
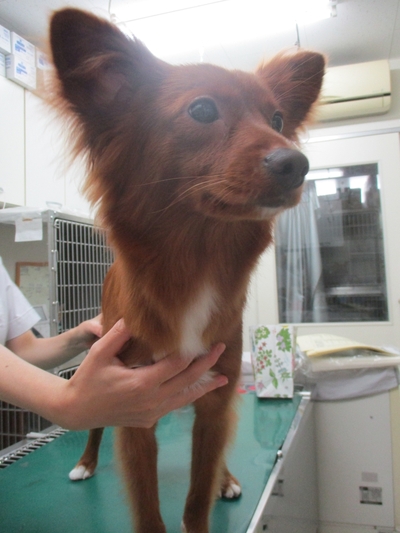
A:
<point x="50" y="352"/>
<point x="45" y="353"/>
<point x="31" y="388"/>
<point x="54" y="351"/>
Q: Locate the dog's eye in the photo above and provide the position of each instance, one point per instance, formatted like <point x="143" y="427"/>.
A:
<point x="277" y="122"/>
<point x="203" y="110"/>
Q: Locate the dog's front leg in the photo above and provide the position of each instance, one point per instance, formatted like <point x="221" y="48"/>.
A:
<point x="214" y="423"/>
<point x="137" y="449"/>
<point x="86" y="465"/>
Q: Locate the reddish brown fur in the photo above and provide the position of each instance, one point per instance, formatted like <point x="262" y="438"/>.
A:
<point x="182" y="202"/>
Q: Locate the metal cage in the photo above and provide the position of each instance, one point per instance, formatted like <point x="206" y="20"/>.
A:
<point x="81" y="261"/>
<point x="78" y="259"/>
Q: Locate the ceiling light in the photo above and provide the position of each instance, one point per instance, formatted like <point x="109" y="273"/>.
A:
<point x="177" y="26"/>
<point x="325" y="173"/>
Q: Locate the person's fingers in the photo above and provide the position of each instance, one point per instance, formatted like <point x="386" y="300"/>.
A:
<point x="99" y="318"/>
<point x="112" y="342"/>
<point x="174" y="365"/>
<point x="193" y="372"/>
<point x="97" y="328"/>
<point x="93" y="332"/>
<point x="191" y="394"/>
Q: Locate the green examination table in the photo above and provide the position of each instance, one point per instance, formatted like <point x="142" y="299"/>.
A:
<point x="36" y="495"/>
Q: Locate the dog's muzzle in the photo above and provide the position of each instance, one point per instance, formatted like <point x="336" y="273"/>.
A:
<point x="289" y="167"/>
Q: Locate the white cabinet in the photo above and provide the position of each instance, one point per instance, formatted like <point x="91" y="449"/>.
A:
<point x="34" y="163"/>
<point x="43" y="154"/>
<point x="355" y="464"/>
<point x="74" y="199"/>
<point x="12" y="154"/>
<point x="50" y="175"/>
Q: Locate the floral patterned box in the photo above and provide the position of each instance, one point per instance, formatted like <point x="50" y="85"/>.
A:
<point x="272" y="356"/>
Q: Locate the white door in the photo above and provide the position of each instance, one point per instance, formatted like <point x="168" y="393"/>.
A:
<point x="384" y="151"/>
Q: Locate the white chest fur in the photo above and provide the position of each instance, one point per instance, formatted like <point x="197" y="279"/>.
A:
<point x="195" y="320"/>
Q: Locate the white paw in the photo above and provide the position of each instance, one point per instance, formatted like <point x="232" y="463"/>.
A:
<point x="231" y="491"/>
<point x="80" y="472"/>
<point x="183" y="528"/>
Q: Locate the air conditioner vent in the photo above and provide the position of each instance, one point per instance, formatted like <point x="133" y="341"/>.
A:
<point x="355" y="90"/>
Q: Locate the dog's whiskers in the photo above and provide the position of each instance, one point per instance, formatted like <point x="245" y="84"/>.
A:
<point x="194" y="189"/>
<point x="177" y="178"/>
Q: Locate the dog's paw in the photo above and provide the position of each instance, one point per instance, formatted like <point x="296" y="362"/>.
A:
<point x="80" y="472"/>
<point x="230" y="489"/>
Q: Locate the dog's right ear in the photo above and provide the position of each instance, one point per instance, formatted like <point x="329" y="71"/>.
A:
<point x="98" y="68"/>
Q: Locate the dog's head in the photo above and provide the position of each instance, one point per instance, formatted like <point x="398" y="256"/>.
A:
<point x="196" y="138"/>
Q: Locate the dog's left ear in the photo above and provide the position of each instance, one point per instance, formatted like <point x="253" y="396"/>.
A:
<point x="98" y="68"/>
<point x="296" y="80"/>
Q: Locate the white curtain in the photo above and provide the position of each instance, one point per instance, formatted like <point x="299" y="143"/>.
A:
<point x="299" y="265"/>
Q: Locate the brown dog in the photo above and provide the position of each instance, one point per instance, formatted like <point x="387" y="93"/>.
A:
<point x="189" y="166"/>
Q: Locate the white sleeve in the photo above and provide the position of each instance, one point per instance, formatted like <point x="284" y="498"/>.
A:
<point x="16" y="314"/>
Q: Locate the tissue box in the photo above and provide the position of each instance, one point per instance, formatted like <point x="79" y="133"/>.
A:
<point x="273" y="352"/>
<point x="21" y="72"/>
<point x="5" y="40"/>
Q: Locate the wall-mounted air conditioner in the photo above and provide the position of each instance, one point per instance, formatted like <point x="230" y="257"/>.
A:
<point x="355" y="90"/>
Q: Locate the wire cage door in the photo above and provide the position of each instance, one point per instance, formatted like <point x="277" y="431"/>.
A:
<point x="82" y="259"/>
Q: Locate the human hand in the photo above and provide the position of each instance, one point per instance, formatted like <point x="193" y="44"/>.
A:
<point x="87" y="333"/>
<point x="104" y="392"/>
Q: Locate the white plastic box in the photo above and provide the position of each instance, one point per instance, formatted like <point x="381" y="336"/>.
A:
<point x="2" y="65"/>
<point x="43" y="70"/>
<point x="5" y="40"/>
<point x="23" y="49"/>
<point x="20" y="72"/>
<point x="42" y="60"/>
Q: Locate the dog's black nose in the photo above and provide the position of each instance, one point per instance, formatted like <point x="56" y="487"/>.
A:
<point x="289" y="167"/>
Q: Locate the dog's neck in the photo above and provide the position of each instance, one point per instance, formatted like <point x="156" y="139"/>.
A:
<point x="214" y="250"/>
<point x="205" y="274"/>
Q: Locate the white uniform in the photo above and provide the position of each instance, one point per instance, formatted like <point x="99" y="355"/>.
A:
<point x="16" y="314"/>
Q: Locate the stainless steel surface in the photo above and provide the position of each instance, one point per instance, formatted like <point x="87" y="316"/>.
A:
<point x="21" y="449"/>
<point x="289" y="501"/>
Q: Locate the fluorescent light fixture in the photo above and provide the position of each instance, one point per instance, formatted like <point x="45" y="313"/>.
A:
<point x="175" y="26"/>
<point x="127" y="10"/>
<point x="325" y="173"/>
<point x="359" y="182"/>
<point x="309" y="11"/>
<point x="325" y="187"/>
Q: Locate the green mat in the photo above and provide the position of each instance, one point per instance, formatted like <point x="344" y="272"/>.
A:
<point x="36" y="495"/>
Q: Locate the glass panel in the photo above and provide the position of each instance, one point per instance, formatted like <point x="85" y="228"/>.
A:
<point x="329" y="249"/>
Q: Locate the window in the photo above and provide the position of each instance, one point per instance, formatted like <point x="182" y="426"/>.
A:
<point x="329" y="249"/>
